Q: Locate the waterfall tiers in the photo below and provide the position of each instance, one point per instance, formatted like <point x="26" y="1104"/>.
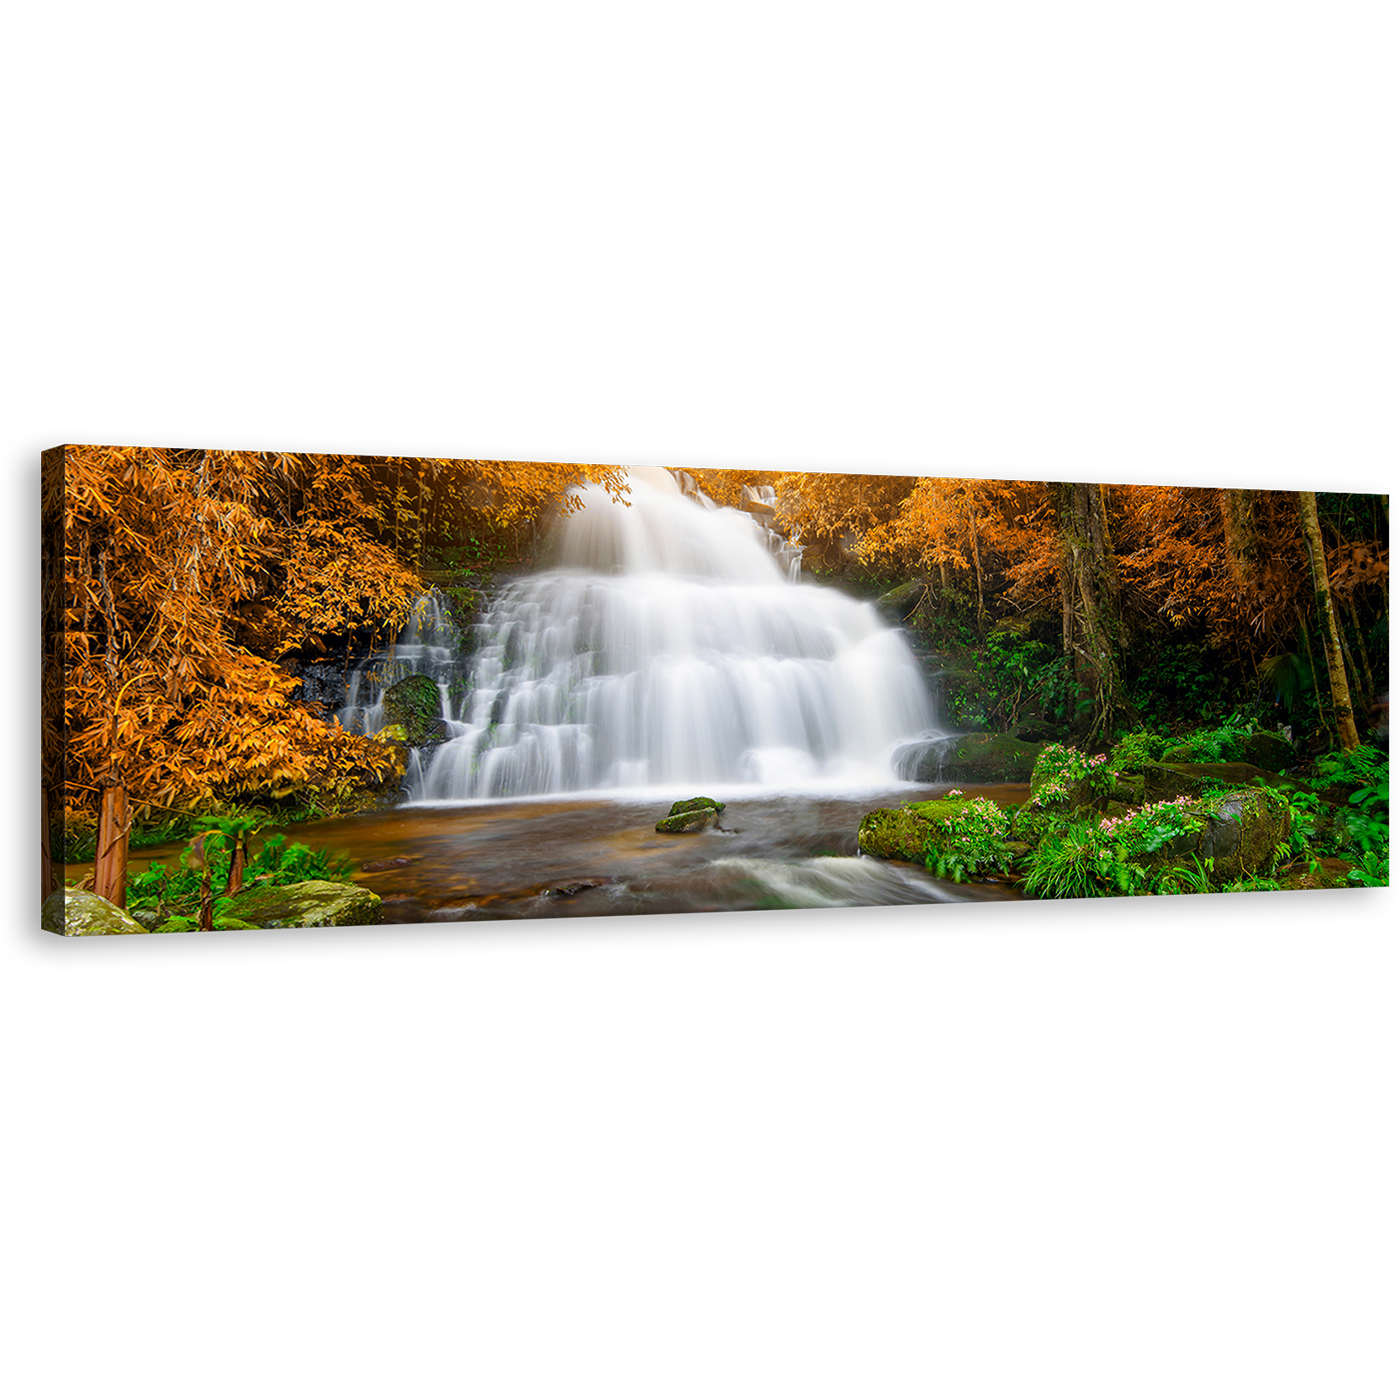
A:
<point x="664" y="644"/>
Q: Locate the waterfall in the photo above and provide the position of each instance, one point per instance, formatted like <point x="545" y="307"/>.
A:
<point x="667" y="643"/>
<point x="428" y="643"/>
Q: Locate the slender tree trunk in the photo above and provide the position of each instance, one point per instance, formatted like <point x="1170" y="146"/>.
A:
<point x="1361" y="648"/>
<point x="1312" y="667"/>
<point x="113" y="831"/>
<point x="976" y="556"/>
<point x="1089" y="595"/>
<point x="1322" y="594"/>
<point x="238" y="860"/>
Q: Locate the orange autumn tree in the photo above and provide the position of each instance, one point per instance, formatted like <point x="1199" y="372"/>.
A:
<point x="829" y="513"/>
<point x="983" y="530"/>
<point x="168" y="557"/>
<point x="442" y="499"/>
<point x="1226" y="564"/>
<point x="176" y="581"/>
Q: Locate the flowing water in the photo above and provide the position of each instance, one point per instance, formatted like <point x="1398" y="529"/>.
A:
<point x="559" y="857"/>
<point x="667" y="644"/>
<point x="667" y="651"/>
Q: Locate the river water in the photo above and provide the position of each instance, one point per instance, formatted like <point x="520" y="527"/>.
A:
<point x="589" y="855"/>
<point x="668" y="650"/>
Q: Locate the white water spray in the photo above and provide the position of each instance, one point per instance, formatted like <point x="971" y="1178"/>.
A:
<point x="667" y="646"/>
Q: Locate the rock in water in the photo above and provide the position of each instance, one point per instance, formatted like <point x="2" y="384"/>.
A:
<point x="692" y="814"/>
<point x="310" y="904"/>
<point x="414" y="705"/>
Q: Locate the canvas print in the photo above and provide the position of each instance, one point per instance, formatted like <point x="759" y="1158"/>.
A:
<point x="300" y="690"/>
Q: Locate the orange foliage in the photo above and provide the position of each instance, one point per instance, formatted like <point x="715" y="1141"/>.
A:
<point x="829" y="513"/>
<point x="1182" y="562"/>
<point x="161" y="551"/>
<point x="186" y="575"/>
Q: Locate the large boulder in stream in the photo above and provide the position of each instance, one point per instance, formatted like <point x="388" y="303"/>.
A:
<point x="80" y="913"/>
<point x="309" y="904"/>
<point x="967" y="758"/>
<point x="414" y="706"/>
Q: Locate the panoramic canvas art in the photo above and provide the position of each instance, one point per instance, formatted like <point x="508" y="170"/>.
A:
<point x="297" y="690"/>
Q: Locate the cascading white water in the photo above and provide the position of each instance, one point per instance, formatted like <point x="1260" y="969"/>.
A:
<point x="667" y="645"/>
<point x="428" y="644"/>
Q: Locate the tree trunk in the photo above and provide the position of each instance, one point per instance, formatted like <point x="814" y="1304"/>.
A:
<point x="976" y="555"/>
<point x="1361" y="648"/>
<point x="1322" y="595"/>
<point x="238" y="861"/>
<point x="45" y="855"/>
<point x="1241" y="538"/>
<point x="1089" y="595"/>
<point x="113" y="830"/>
<point x="1312" y="667"/>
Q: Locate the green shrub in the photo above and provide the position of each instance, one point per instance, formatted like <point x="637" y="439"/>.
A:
<point x="1146" y="830"/>
<point x="1075" y="863"/>
<point x="1015" y="670"/>
<point x="1373" y="869"/>
<point x="1059" y="768"/>
<point x="176" y="891"/>
<point x="1220" y="744"/>
<point x="1247" y="883"/>
<point x="969" y="841"/>
<point x="1134" y="750"/>
<point x="1109" y="856"/>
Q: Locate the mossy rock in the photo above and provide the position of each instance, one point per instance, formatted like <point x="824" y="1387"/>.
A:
<point x="414" y="704"/>
<point x="900" y="602"/>
<point x="923" y="832"/>
<point x="1241" y="832"/>
<point x="991" y="758"/>
<point x="81" y="914"/>
<point x="1166" y="780"/>
<point x="692" y="814"/>
<point x="893" y="833"/>
<point x="901" y="833"/>
<point x="309" y="904"/>
<point x="694" y="804"/>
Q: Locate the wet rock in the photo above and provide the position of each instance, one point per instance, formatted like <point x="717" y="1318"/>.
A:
<point x="390" y="863"/>
<point x="696" y="820"/>
<point x="691" y="814"/>
<point x="414" y="704"/>
<point x="1241" y="831"/>
<point x="922" y="760"/>
<point x="967" y="758"/>
<point x="80" y="913"/>
<point x="694" y="804"/>
<point x="900" y="602"/>
<point x="309" y="904"/>
<point x="576" y="887"/>
<point x="1165" y="780"/>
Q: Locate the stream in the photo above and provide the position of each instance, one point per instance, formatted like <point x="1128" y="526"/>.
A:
<point x="589" y="855"/>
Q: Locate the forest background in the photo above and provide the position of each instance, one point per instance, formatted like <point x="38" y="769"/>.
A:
<point x="188" y="589"/>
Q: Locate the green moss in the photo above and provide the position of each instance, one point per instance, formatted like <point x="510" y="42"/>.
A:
<point x="895" y="833"/>
<point x="694" y="804"/>
<point x="955" y="835"/>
